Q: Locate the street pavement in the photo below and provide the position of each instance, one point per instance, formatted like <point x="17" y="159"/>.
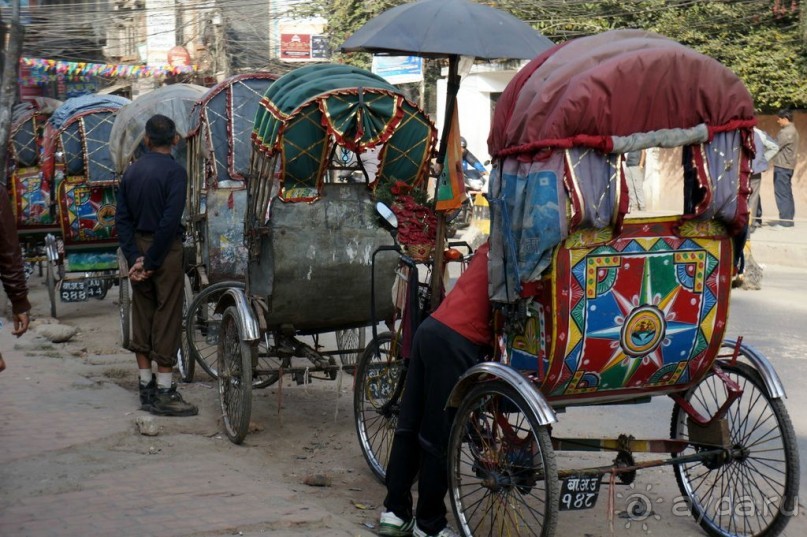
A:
<point x="780" y="246"/>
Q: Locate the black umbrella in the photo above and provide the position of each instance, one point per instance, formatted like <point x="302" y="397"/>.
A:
<point x="441" y="28"/>
<point x="447" y="29"/>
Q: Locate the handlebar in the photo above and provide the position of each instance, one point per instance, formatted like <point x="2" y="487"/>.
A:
<point x="413" y="284"/>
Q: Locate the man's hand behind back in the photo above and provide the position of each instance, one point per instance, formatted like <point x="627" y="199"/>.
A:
<point x="21" y="322"/>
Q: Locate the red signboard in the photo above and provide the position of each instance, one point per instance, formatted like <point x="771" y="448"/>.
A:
<point x="295" y="46"/>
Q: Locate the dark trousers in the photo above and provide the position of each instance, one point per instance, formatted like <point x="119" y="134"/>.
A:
<point x="439" y="357"/>
<point x="753" y="200"/>
<point x="157" y="307"/>
<point x="784" y="195"/>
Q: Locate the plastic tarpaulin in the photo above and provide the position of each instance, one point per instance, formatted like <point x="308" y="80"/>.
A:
<point x="175" y="101"/>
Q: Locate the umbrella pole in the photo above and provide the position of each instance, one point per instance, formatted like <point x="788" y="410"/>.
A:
<point x="438" y="264"/>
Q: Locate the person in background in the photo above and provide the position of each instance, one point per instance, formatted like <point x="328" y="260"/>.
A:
<point x="784" y="162"/>
<point x="12" y="271"/>
<point x="634" y="170"/>
<point x="469" y="160"/>
<point x="456" y="337"/>
<point x="151" y="199"/>
<point x="765" y="148"/>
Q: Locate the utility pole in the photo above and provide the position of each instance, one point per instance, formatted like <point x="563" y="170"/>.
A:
<point x="12" y="50"/>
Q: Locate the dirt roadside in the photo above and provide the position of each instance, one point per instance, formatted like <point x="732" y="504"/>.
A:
<point x="298" y="434"/>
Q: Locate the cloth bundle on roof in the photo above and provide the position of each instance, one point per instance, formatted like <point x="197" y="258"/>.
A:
<point x="563" y="122"/>
<point x="309" y="109"/>
<point x="175" y="101"/>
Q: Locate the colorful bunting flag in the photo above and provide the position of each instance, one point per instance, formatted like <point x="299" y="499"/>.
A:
<point x="44" y="69"/>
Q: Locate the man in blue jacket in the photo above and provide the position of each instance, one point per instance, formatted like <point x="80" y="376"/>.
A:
<point x="151" y="200"/>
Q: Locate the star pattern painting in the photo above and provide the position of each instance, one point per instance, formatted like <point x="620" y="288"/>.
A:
<point x="87" y="212"/>
<point x="32" y="198"/>
<point x="643" y="311"/>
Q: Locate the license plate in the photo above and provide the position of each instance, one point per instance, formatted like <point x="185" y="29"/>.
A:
<point x="81" y="290"/>
<point x="212" y="333"/>
<point x="579" y="492"/>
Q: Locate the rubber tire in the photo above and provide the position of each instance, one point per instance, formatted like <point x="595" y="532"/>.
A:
<point x="749" y="379"/>
<point x="125" y="311"/>
<point x="462" y="475"/>
<point x="236" y="357"/>
<point x="186" y="364"/>
<point x="50" y="277"/>
<point x="375" y="431"/>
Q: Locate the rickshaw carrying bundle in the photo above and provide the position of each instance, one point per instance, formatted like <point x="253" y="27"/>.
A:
<point x="610" y="308"/>
<point x="78" y="165"/>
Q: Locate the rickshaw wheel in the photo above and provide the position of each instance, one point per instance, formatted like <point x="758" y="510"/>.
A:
<point x="124" y="301"/>
<point x="754" y="491"/>
<point x="202" y="326"/>
<point x="376" y="399"/>
<point x="124" y="309"/>
<point x="235" y="376"/>
<point x="185" y="361"/>
<point x="50" y="277"/>
<point x="502" y="472"/>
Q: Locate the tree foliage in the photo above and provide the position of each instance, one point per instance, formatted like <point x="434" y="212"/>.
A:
<point x="762" y="41"/>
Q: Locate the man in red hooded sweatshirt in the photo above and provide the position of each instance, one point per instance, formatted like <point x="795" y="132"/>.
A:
<point x="456" y="337"/>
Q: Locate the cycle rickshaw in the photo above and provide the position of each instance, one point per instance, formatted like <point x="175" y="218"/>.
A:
<point x="31" y="197"/>
<point x="77" y="165"/>
<point x="125" y="145"/>
<point x="598" y="309"/>
<point x="310" y="238"/>
<point x="219" y="149"/>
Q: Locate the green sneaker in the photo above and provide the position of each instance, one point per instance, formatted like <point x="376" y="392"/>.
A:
<point x="392" y="526"/>
<point x="168" y="402"/>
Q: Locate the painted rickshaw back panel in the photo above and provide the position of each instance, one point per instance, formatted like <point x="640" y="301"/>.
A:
<point x="641" y="312"/>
